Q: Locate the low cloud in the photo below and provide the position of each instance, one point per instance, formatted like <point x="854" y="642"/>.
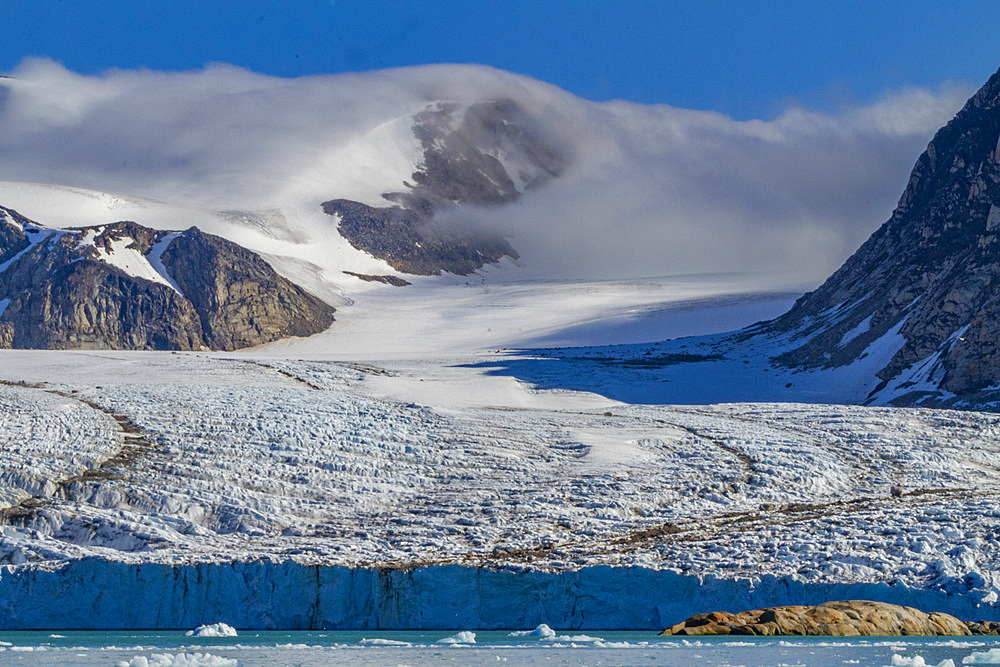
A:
<point x="649" y="191"/>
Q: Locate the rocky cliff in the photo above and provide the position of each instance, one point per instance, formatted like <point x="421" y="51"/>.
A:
<point x="483" y="154"/>
<point x="927" y="283"/>
<point x="124" y="286"/>
<point x="239" y="298"/>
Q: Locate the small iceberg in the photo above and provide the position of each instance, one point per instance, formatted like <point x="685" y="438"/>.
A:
<point x="464" y="637"/>
<point x="543" y="631"/>
<point x="917" y="661"/>
<point x="213" y="630"/>
<point x="988" y="657"/>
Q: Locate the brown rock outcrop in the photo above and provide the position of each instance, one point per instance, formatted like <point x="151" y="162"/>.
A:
<point x="70" y="289"/>
<point x="842" y="618"/>
<point x="240" y="299"/>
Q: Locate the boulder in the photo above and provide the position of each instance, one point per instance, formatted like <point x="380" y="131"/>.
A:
<point x="842" y="618"/>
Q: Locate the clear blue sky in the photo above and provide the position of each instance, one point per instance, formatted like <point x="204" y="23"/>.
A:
<point x="747" y="58"/>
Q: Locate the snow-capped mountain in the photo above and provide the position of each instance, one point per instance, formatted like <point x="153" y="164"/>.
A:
<point x="493" y="161"/>
<point x="383" y="473"/>
<point x="125" y="286"/>
<point x="928" y="281"/>
<point x="480" y="154"/>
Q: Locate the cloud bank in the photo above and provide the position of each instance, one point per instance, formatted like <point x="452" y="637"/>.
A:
<point x="650" y="190"/>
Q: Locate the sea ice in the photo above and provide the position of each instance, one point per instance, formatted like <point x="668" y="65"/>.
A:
<point x="178" y="660"/>
<point x="464" y="637"/>
<point x="916" y="661"/>
<point x="379" y="641"/>
<point x="988" y="657"/>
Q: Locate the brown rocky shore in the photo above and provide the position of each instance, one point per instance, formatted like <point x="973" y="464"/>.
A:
<point x="841" y="618"/>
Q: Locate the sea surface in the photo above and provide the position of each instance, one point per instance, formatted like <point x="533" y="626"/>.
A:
<point x="592" y="648"/>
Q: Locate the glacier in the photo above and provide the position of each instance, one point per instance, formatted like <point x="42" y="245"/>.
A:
<point x="98" y="594"/>
<point x="270" y="492"/>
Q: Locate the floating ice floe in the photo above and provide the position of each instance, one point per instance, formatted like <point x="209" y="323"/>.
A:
<point x="213" y="630"/>
<point x="178" y="660"/>
<point x="916" y="661"/>
<point x="464" y="637"/>
<point x="378" y="641"/>
<point x="988" y="657"/>
<point x="542" y="631"/>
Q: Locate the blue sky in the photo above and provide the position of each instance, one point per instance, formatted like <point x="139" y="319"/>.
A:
<point x="748" y="59"/>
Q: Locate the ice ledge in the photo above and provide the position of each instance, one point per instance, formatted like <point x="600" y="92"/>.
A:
<point x="99" y="594"/>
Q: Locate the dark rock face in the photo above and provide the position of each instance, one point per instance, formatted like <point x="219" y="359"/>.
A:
<point x="930" y="275"/>
<point x="408" y="242"/>
<point x="395" y="281"/>
<point x="12" y="237"/>
<point x="239" y="298"/>
<point x="483" y="154"/>
<point x="62" y="289"/>
<point x="842" y="618"/>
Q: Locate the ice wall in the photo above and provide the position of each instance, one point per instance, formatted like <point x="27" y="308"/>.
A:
<point x="99" y="594"/>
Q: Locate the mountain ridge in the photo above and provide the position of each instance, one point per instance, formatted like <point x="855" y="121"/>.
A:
<point x="125" y="286"/>
<point x="930" y="272"/>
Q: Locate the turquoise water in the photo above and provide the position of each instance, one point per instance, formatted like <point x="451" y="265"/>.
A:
<point x="491" y="648"/>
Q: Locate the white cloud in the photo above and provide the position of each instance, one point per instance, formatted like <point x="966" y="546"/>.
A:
<point x="653" y="190"/>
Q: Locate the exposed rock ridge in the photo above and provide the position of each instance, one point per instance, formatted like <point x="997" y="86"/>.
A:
<point x="240" y="300"/>
<point x="841" y="618"/>
<point x="930" y="274"/>
<point x="97" y="288"/>
<point x="12" y="237"/>
<point x="482" y="154"/>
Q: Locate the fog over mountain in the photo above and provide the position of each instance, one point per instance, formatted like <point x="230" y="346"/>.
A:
<point x="646" y="190"/>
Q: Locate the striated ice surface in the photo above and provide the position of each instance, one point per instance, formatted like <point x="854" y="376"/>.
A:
<point x="282" y="493"/>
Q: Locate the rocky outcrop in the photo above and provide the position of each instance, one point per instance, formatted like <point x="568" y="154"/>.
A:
<point x="409" y="243"/>
<point x="395" y="281"/>
<point x="843" y="618"/>
<point x="482" y="154"/>
<point x="12" y="237"/>
<point x="927" y="283"/>
<point x="239" y="298"/>
<point x="124" y="286"/>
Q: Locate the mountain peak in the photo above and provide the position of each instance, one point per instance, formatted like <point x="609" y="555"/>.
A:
<point x="929" y="278"/>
